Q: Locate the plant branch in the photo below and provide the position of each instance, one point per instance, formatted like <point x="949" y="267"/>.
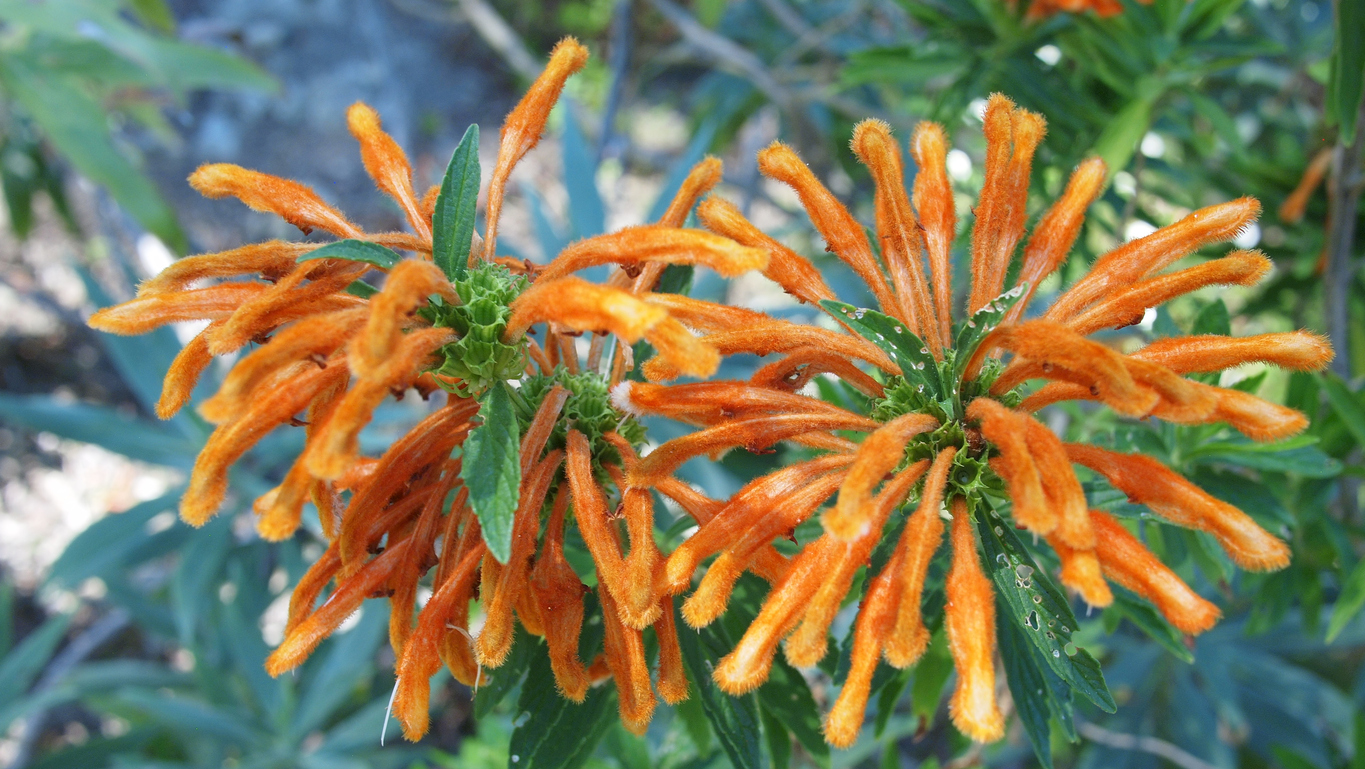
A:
<point x="1144" y="744"/>
<point x="1344" y="189"/>
<point x="501" y="37"/>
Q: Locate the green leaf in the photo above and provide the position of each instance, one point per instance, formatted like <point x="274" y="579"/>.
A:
<point x="132" y="437"/>
<point x="1119" y="140"/>
<point x="356" y="251"/>
<point x="1297" y="456"/>
<point x="502" y="681"/>
<point x="553" y="732"/>
<point x="1348" y="72"/>
<point x="346" y="666"/>
<point x="734" y="720"/>
<point x="361" y="289"/>
<point x="778" y="738"/>
<point x="1346" y="404"/>
<point x="1349" y="602"/>
<point x="787" y="696"/>
<point x="20" y="667"/>
<point x="77" y="125"/>
<point x="452" y="224"/>
<point x="982" y="323"/>
<point x="106" y="543"/>
<point x="931" y="673"/>
<point x="904" y="346"/>
<point x="492" y="469"/>
<point x="194" y="588"/>
<point x="1040" y="607"/>
<point x="587" y="214"/>
<point x="1149" y="621"/>
<point x="887" y="699"/>
<point x="190" y="716"/>
<point x="154" y="13"/>
<point x="1028" y="686"/>
<point x="1213" y="319"/>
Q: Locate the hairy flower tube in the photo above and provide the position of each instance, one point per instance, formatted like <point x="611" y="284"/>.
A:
<point x="327" y="348"/>
<point x="949" y="434"/>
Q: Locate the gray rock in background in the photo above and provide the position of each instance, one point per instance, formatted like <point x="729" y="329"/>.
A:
<point x="427" y="74"/>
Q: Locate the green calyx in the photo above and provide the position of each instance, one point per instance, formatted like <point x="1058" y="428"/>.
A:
<point x="479" y="357"/>
<point x="971" y="472"/>
<point x="588" y="410"/>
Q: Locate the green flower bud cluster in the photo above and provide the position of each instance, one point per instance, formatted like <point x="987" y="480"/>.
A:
<point x="480" y="357"/>
<point x="588" y="410"/>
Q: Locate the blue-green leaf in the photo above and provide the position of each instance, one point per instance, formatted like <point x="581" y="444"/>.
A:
<point x="20" y="667"/>
<point x="1026" y="675"/>
<point x="1348" y="74"/>
<point x="735" y="720"/>
<point x="106" y="543"/>
<point x="587" y="214"/>
<point x="981" y="324"/>
<point x="1349" y="603"/>
<point x="553" y="732"/>
<point x="904" y="346"/>
<point x="1149" y="621"/>
<point x="452" y="224"/>
<point x="1347" y="405"/>
<point x="352" y="250"/>
<point x="787" y="696"/>
<point x="1040" y="608"/>
<point x="86" y="422"/>
<point x="492" y="470"/>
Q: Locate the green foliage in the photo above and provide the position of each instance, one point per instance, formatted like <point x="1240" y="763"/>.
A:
<point x="452" y="223"/>
<point x="356" y="251"/>
<point x="480" y="357"/>
<point x="491" y="469"/>
<point x="65" y="64"/>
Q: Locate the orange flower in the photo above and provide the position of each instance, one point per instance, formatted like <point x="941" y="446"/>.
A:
<point x="333" y="349"/>
<point x="946" y="405"/>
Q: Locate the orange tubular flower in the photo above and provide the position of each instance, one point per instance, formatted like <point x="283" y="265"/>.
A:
<point x="332" y="348"/>
<point x="948" y="396"/>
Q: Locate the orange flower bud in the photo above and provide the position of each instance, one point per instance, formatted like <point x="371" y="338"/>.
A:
<point x="969" y="617"/>
<point x="1127" y="562"/>
<point x="560" y="595"/>
<point x="803" y="364"/>
<point x="703" y="177"/>
<point x="908" y="639"/>
<point x="1056" y="232"/>
<point x="303" y="639"/>
<point x="147" y="313"/>
<point x="897" y="229"/>
<point x="851" y="517"/>
<point x="313" y="338"/>
<point x="387" y="164"/>
<point x="1139" y="258"/>
<point x="1296" y="350"/>
<point x="673" y="686"/>
<point x="1081" y="572"/>
<point x="933" y="197"/>
<point x="788" y="269"/>
<point x="808" y="642"/>
<point x="1015" y="465"/>
<point x="495" y="640"/>
<point x="1060" y="486"/>
<point x="1054" y="344"/>
<point x="272" y="260"/>
<point x="1147" y="482"/>
<point x="625" y="655"/>
<point x="647" y="243"/>
<point x="838" y="227"/>
<point x="289" y="200"/>
<point x="1291" y="210"/>
<point x="993" y="201"/>
<point x="1125" y="306"/>
<point x="183" y="374"/>
<point x="523" y="126"/>
<point x="420" y="659"/>
<point x="875" y="617"/>
<point x="407" y="287"/>
<point x="291" y="297"/>
<point x="582" y="306"/>
<point x="754" y="434"/>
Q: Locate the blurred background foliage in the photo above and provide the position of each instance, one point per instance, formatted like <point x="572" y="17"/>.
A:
<point x="142" y="644"/>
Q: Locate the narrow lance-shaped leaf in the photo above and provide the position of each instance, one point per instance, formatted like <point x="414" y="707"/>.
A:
<point x="492" y="470"/>
<point x="735" y="720"/>
<point x="452" y="224"/>
<point x="356" y="251"/>
<point x="554" y="732"/>
<point x="1034" y="602"/>
<point x="982" y="323"/>
<point x="903" y="345"/>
